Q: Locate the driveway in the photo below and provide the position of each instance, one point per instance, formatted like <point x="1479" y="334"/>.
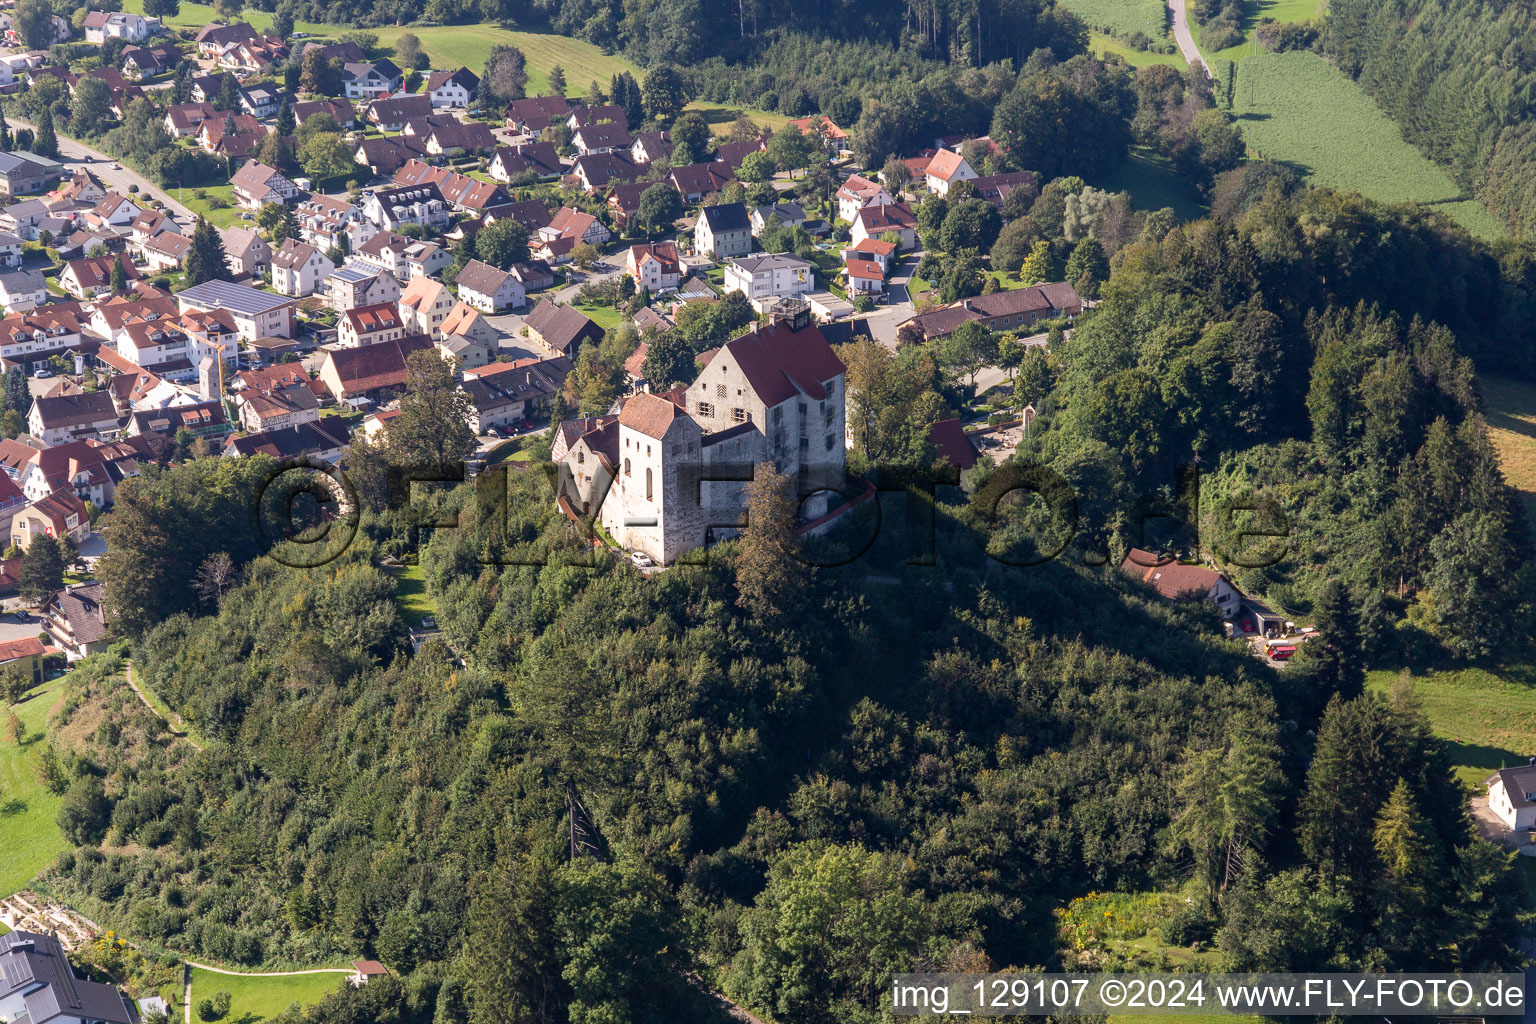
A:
<point x="75" y="155"/>
<point x="1185" y="39"/>
<point x="898" y="309"/>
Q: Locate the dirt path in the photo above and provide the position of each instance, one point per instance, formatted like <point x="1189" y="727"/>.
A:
<point x="174" y="726"/>
<point x="266" y="974"/>
<point x="1185" y="39"/>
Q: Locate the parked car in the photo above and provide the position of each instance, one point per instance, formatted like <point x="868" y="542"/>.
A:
<point x="43" y="374"/>
<point x="642" y="559"/>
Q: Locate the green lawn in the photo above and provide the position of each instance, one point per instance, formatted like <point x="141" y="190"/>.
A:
<point x="262" y="997"/>
<point x="1153" y="184"/>
<point x="1299" y="109"/>
<point x="1106" y="46"/>
<point x="1487" y="716"/>
<point x="411" y="594"/>
<point x="228" y="216"/>
<point x="606" y="317"/>
<point x="30" y="838"/>
<point x="1123" y="16"/>
<point x="1281" y="10"/>
<point x="510" y="450"/>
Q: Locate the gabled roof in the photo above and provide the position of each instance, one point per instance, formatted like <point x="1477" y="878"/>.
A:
<point x="649" y="414"/>
<point x="292" y="441"/>
<point x="951" y="441"/>
<point x="75" y="410"/>
<point x="379" y="316"/>
<point x="726" y="217"/>
<point x="481" y="277"/>
<point x="1171" y="579"/>
<point x="890" y="217"/>
<point x="561" y="327"/>
<point x="706" y="177"/>
<point x="538" y="157"/>
<point x="780" y="362"/>
<point x="463" y="76"/>
<point x="946" y="163"/>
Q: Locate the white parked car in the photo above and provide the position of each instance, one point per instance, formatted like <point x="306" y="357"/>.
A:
<point x="642" y="559"/>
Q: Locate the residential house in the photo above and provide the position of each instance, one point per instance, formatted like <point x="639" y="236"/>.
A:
<point x="328" y="223"/>
<point x="1512" y="796"/>
<point x="858" y="192"/>
<point x="608" y="113"/>
<point x="277" y="407"/>
<point x="387" y="251"/>
<point x="532" y="115"/>
<point x="70" y="417"/>
<point x="256" y="184"/>
<point x="369" y="325"/>
<point x="232" y="134"/>
<point x="298" y="268"/>
<point x="452" y="88"/>
<point x="411" y="204"/>
<point x="150" y="223"/>
<point x="182" y="120"/>
<point x="22" y="290"/>
<point x="695" y="181"/>
<point x="145" y="62"/>
<point x="537" y="159"/>
<point x="460" y="138"/>
<point x="599" y="170"/>
<point x="1001" y="311"/>
<point x="821" y="130"/>
<point x="624" y="201"/>
<point x="366" y="80"/>
<point x="784" y="214"/>
<point x="994" y="188"/>
<point x="649" y="146"/>
<point x="392" y="113"/>
<point x="534" y="275"/>
<point x="504" y="395"/>
<point x="214" y="37"/>
<point x="654" y="265"/>
<point x="561" y="329"/>
<point x="249" y="254"/>
<point x="865" y="277"/>
<point x="313" y="438"/>
<point x="373" y="372"/>
<point x="463" y="192"/>
<point x="165" y="251"/>
<point x="256" y="314"/>
<point x="875" y="250"/>
<point x="733" y="153"/>
<point x="208" y="88"/>
<point x="261" y="100"/>
<point x="37" y="334"/>
<point x="575" y="224"/>
<point x="946" y="168"/>
<point x="531" y="214"/>
<point x="203" y="420"/>
<point x="24" y="654"/>
<point x="99" y="26"/>
<point x="344" y="112"/>
<point x="76" y="618"/>
<point x="488" y="288"/>
<point x="356" y="283"/>
<point x="765" y="279"/>
<point x="424" y="305"/>
<point x="601" y="137"/>
<point x="384" y="156"/>
<point x="465" y="321"/>
<point x="21" y="173"/>
<point x="875" y="221"/>
<point x="723" y="231"/>
<point x="1175" y="580"/>
<point x="91" y="276"/>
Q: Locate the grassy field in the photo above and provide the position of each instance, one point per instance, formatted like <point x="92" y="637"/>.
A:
<point x="1154" y="184"/>
<point x="1123" y="16"/>
<point x="1281" y="10"/>
<point x="260" y="997"/>
<point x="606" y="317"/>
<point x="1487" y="716"/>
<point x="1300" y="110"/>
<point x="1511" y="409"/>
<point x="30" y="838"/>
<point x="1107" y="46"/>
<point x="227" y="216"/>
<point x="411" y="594"/>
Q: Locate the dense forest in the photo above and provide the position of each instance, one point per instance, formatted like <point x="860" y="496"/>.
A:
<point x="1459" y="78"/>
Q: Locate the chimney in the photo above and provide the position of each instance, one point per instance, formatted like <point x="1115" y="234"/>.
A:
<point x="966" y="305"/>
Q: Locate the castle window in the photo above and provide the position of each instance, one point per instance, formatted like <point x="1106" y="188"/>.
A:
<point x="706" y="409"/>
<point x="647" y="483"/>
<point x="739" y="416"/>
<point x="626" y="467"/>
<point x="830" y="442"/>
<point x="581" y="458"/>
<point x="719" y="390"/>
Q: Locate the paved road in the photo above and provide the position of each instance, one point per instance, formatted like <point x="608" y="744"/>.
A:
<point x="1185" y="40"/>
<point x="76" y="154"/>
<point x="898" y="309"/>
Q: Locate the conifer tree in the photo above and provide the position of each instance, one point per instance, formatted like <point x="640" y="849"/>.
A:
<point x="47" y="141"/>
<point x="206" y="261"/>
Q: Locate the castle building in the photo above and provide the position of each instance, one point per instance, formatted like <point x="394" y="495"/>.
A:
<point x="671" y="469"/>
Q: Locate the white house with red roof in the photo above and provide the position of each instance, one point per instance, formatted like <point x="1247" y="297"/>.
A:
<point x="654" y="265"/>
<point x="944" y="169"/>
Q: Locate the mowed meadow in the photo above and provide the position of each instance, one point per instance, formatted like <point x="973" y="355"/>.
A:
<point x="1298" y="109"/>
